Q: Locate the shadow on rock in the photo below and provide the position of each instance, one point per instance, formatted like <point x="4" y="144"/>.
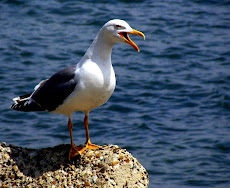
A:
<point x="34" y="162"/>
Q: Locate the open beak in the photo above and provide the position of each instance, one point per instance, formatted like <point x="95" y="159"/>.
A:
<point x="125" y="36"/>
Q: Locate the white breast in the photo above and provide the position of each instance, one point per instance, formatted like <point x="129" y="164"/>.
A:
<point x="95" y="85"/>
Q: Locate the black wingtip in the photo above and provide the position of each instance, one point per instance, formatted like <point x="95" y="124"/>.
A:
<point x="26" y="104"/>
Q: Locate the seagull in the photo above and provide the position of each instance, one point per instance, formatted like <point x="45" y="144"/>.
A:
<point x="84" y="86"/>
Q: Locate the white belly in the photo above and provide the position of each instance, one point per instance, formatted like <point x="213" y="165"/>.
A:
<point x="95" y="86"/>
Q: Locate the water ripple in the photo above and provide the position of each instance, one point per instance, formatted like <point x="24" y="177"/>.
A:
<point x="171" y="106"/>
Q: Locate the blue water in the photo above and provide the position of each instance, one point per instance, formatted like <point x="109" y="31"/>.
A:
<point x="171" y="106"/>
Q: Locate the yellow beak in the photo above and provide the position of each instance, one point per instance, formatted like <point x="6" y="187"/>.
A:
<point x="125" y="36"/>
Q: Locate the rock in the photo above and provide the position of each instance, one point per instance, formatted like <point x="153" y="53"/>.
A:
<point x="109" y="166"/>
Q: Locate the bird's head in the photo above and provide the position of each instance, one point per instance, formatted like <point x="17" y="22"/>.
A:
<point x="118" y="30"/>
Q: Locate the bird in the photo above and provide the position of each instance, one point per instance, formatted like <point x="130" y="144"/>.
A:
<point x="83" y="86"/>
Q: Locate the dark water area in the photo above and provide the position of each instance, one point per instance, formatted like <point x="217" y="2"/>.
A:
<point x="171" y="105"/>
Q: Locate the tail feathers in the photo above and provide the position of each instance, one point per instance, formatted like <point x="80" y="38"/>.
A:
<point x="26" y="104"/>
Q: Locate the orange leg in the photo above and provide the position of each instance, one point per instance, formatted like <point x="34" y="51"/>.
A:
<point x="89" y="145"/>
<point x="73" y="150"/>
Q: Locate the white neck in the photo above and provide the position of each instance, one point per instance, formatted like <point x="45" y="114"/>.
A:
<point x="100" y="50"/>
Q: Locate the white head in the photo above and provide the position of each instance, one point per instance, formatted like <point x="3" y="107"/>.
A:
<point x="117" y="30"/>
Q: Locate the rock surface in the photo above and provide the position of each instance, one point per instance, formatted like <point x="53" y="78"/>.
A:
<point x="109" y="166"/>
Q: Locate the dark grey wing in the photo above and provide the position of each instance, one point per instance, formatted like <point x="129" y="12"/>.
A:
<point x="25" y="103"/>
<point x="56" y="89"/>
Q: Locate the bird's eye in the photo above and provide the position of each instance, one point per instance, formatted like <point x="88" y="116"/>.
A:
<point x="118" y="26"/>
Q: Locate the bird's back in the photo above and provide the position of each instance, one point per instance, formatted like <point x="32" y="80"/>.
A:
<point x="50" y="94"/>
